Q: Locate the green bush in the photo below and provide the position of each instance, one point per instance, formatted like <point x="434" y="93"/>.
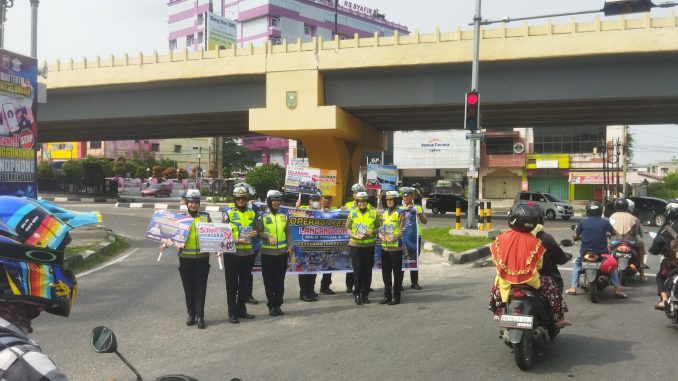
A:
<point x="666" y="189"/>
<point x="45" y="170"/>
<point x="72" y="170"/>
<point x="92" y="172"/>
<point x="265" y="178"/>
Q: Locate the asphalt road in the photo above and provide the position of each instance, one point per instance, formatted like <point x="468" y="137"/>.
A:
<point x="442" y="332"/>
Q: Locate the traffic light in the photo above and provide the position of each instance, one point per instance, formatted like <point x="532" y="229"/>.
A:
<point x="472" y="111"/>
<point x="622" y="7"/>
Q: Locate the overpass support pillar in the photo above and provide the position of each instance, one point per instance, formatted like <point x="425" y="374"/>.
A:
<point x="333" y="138"/>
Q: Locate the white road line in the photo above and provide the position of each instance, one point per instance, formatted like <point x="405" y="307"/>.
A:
<point x="570" y="269"/>
<point x="108" y="264"/>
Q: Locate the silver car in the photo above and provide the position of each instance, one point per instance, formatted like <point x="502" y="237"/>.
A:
<point x="552" y="206"/>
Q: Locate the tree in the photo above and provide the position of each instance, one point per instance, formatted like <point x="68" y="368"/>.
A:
<point x="157" y="171"/>
<point x="265" y="178"/>
<point x="92" y="172"/>
<point x="72" y="170"/>
<point x="119" y="168"/>
<point x="666" y="189"/>
<point x="140" y="172"/>
<point x="45" y="169"/>
<point x="236" y="157"/>
<point x="170" y="173"/>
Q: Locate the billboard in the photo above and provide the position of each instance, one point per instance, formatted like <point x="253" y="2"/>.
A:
<point x="431" y="149"/>
<point x="384" y="177"/>
<point x="18" y="124"/>
<point x="221" y="33"/>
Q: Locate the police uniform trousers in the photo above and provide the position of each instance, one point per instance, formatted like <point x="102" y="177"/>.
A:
<point x="273" y="270"/>
<point x="194" y="273"/>
<point x="238" y="273"/>
<point x="362" y="259"/>
<point x="414" y="274"/>
<point x="306" y="284"/>
<point x="349" y="280"/>
<point x="326" y="281"/>
<point x="391" y="273"/>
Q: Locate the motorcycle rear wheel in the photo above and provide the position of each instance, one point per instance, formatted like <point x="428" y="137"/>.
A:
<point x="593" y="291"/>
<point x="522" y="352"/>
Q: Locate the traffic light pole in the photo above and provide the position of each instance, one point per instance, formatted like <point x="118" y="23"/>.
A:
<point x="471" y="211"/>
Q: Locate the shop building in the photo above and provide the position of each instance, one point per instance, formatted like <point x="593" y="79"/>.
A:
<point x="502" y="163"/>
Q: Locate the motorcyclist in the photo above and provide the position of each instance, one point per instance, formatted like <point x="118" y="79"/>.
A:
<point x="628" y="228"/>
<point x="593" y="231"/>
<point x="27" y="289"/>
<point x="666" y="243"/>
<point x="519" y="256"/>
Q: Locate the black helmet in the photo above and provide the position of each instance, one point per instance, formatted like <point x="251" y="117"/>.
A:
<point x="621" y="205"/>
<point x="671" y="212"/>
<point x="594" y="208"/>
<point x="523" y="217"/>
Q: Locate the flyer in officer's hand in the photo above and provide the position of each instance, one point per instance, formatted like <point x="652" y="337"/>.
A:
<point x="169" y="228"/>
<point x="215" y="237"/>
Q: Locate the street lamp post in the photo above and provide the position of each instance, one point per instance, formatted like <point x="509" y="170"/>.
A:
<point x="34" y="28"/>
<point x="4" y="5"/>
<point x="197" y="175"/>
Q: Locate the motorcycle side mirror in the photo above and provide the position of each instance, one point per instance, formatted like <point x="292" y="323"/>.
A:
<point x="566" y="242"/>
<point x="653" y="235"/>
<point x="103" y="340"/>
<point x="573" y="227"/>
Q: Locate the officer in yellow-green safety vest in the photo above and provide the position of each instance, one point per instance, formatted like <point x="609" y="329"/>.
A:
<point x="361" y="225"/>
<point x="238" y="265"/>
<point x="276" y="249"/>
<point x="355" y="188"/>
<point x="408" y="203"/>
<point x="194" y="265"/>
<point x="390" y="232"/>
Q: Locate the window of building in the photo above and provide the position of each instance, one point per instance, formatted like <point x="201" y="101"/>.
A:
<point x="308" y="30"/>
<point x="95" y="144"/>
<point x="155" y="147"/>
<point x="499" y="145"/>
<point x="275" y="22"/>
<point x="173" y="44"/>
<point x="177" y="148"/>
<point x="568" y="139"/>
<point x="136" y="141"/>
<point x="665" y="171"/>
<point x="200" y="38"/>
<point x="201" y="19"/>
<point x="276" y="40"/>
<point x="190" y="39"/>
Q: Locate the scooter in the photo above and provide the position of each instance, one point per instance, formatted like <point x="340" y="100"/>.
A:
<point x="103" y="341"/>
<point x="627" y="258"/>
<point x="527" y="322"/>
<point x="595" y="277"/>
<point x="671" y="309"/>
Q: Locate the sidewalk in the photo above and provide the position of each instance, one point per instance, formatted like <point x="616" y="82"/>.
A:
<point x="65" y="197"/>
<point x="98" y="237"/>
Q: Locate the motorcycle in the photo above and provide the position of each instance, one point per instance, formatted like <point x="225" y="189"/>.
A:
<point x="595" y="272"/>
<point x="671" y="309"/>
<point x="527" y="322"/>
<point x="627" y="258"/>
<point x="103" y="340"/>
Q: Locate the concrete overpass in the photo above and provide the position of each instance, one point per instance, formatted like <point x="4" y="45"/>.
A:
<point x="337" y="96"/>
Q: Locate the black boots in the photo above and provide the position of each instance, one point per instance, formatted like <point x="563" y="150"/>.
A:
<point x="190" y="320"/>
<point x="201" y="323"/>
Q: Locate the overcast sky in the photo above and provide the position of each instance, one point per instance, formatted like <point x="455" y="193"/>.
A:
<point x="86" y="28"/>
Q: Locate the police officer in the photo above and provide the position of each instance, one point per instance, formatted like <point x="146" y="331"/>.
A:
<point x="326" y="281"/>
<point x="276" y="248"/>
<point x="392" y="228"/>
<point x="194" y="265"/>
<point x="361" y="225"/>
<point x="307" y="281"/>
<point x="238" y="265"/>
<point x="408" y="203"/>
<point x="355" y="188"/>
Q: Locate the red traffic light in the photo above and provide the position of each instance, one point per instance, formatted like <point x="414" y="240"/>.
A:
<point x="471" y="99"/>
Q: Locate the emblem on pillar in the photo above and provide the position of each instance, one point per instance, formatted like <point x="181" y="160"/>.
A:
<point x="291" y="99"/>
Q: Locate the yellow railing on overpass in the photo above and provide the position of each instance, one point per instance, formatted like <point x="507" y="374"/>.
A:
<point x="617" y="36"/>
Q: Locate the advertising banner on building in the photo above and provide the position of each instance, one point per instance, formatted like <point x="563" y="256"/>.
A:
<point x="18" y="124"/>
<point x="308" y="180"/>
<point x="215" y="237"/>
<point x="221" y="33"/>
<point x="594" y="178"/>
<point x="384" y="177"/>
<point x="170" y="228"/>
<point x="430" y="149"/>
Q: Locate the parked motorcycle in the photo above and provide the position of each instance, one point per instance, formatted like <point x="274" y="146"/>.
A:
<point x="103" y="341"/>
<point x="627" y="259"/>
<point x="527" y="322"/>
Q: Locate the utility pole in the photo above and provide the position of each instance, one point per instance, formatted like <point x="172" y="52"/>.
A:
<point x="471" y="211"/>
<point x="618" y="153"/>
<point x="336" y="17"/>
<point x="626" y="158"/>
<point x="34" y="28"/>
<point x="4" y="6"/>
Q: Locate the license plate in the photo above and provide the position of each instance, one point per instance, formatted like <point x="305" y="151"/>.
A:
<point x="590" y="265"/>
<point x="516" y="321"/>
<point x="623" y="255"/>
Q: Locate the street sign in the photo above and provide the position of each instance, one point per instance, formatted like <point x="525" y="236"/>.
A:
<point x="472" y="174"/>
<point x="474" y="136"/>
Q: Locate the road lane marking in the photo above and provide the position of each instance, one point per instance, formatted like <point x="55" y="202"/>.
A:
<point x="108" y="264"/>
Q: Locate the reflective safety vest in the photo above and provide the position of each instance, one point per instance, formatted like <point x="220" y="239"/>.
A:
<point x="369" y="219"/>
<point x="242" y="220"/>
<point x="352" y="205"/>
<point x="274" y="226"/>
<point x="391" y="219"/>
<point x="192" y="245"/>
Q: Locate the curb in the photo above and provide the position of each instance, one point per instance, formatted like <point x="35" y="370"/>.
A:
<point x="458" y="258"/>
<point x="78" y="199"/>
<point x="104" y="247"/>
